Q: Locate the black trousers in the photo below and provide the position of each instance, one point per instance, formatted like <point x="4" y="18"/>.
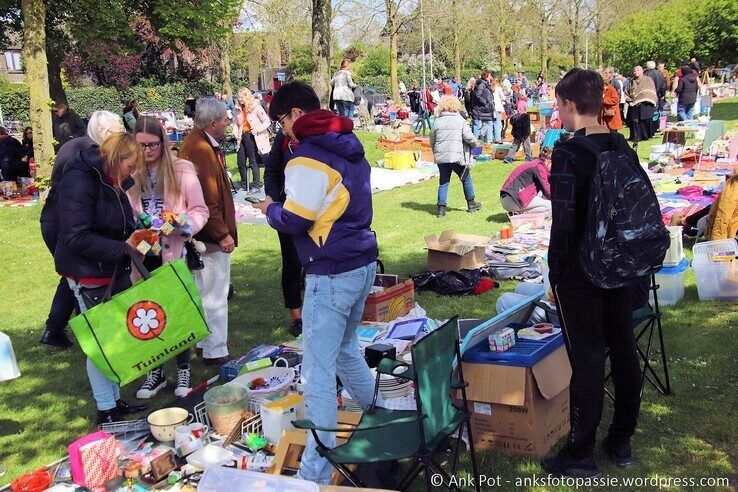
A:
<point x="594" y="320"/>
<point x="64" y="303"/>
<point x="249" y="151"/>
<point x="292" y="280"/>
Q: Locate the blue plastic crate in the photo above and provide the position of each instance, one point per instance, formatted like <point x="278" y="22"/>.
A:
<point x="525" y="353"/>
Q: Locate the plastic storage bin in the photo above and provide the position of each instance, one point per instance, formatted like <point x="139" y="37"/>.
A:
<point x="525" y="353"/>
<point x="671" y="283"/>
<point x="716" y="280"/>
<point x="675" y="253"/>
<point x="535" y="219"/>
<point x="219" y="478"/>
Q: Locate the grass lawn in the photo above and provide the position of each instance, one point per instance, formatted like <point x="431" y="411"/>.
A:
<point x="690" y="434"/>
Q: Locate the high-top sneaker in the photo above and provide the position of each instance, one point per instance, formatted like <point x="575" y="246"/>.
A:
<point x="473" y="206"/>
<point x="155" y="381"/>
<point x="183" y="380"/>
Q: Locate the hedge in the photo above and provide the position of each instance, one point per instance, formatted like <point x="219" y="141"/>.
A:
<point x="83" y="100"/>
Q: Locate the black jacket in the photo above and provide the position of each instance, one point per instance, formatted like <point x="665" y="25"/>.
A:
<point x="95" y="219"/>
<point x="483" y="102"/>
<point x="658" y="82"/>
<point x="11" y="152"/>
<point x="520" y="126"/>
<point x="687" y="89"/>
<point x="67" y="127"/>
<point x="276" y="160"/>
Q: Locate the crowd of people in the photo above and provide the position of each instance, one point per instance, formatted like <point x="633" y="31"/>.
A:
<point x="317" y="196"/>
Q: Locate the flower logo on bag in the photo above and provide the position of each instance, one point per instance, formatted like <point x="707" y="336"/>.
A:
<point x="146" y="320"/>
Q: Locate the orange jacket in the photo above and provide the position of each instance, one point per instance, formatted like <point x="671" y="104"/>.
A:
<point x="722" y="223"/>
<point x="611" y="102"/>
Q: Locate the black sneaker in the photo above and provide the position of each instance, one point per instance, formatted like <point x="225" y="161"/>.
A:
<point x="441" y="211"/>
<point x="563" y="464"/>
<point x="155" y="381"/>
<point x="620" y="454"/>
<point x="473" y="206"/>
<point x="108" y="416"/>
<point x="124" y="408"/>
<point x="57" y="339"/>
<point x="296" y="327"/>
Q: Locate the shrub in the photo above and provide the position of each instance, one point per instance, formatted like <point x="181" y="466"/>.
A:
<point x="83" y="100"/>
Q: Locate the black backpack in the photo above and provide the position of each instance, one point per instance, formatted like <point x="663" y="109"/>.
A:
<point x="624" y="238"/>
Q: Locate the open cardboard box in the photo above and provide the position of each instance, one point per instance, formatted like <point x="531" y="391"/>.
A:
<point x="519" y="410"/>
<point x="396" y="299"/>
<point x="453" y="252"/>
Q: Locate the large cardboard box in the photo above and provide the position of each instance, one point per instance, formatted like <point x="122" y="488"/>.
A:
<point x="396" y="299"/>
<point x="453" y="252"/>
<point x="519" y="410"/>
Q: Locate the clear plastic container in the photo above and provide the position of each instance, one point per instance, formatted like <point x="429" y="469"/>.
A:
<point x="218" y="478"/>
<point x="716" y="280"/>
<point x="671" y="283"/>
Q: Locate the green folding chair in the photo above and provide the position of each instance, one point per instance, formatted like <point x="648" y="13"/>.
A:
<point x="384" y="435"/>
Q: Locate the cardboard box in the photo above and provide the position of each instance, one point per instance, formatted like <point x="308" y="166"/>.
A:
<point x="395" y="300"/>
<point x="453" y="252"/>
<point x="519" y="410"/>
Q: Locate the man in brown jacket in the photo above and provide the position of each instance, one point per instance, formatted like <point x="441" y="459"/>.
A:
<point x="202" y="148"/>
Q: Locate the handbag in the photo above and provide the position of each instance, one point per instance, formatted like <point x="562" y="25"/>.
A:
<point x="608" y="113"/>
<point x="141" y="328"/>
<point x="193" y="257"/>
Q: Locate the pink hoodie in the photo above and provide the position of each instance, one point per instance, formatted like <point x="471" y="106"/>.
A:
<point x="191" y="201"/>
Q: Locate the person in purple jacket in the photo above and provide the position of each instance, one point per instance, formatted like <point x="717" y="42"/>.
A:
<point x="527" y="188"/>
<point x="328" y="210"/>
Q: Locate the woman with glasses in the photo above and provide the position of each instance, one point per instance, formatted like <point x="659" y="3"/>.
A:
<point x="27" y="144"/>
<point x="166" y="182"/>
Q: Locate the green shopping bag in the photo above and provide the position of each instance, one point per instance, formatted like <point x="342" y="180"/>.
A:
<point x="144" y="326"/>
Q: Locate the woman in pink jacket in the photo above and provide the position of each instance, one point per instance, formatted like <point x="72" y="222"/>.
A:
<point x="251" y="129"/>
<point x="166" y="183"/>
<point x="527" y="188"/>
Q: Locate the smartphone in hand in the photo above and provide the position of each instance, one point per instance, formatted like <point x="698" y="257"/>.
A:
<point x="253" y="199"/>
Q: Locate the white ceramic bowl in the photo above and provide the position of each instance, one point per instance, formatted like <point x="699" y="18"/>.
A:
<point x="163" y="422"/>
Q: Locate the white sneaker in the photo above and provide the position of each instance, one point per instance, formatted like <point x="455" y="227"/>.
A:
<point x="155" y="381"/>
<point x="183" y="380"/>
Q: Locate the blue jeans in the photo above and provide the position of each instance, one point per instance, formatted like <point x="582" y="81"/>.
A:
<point x="497" y="128"/>
<point x="105" y="391"/>
<point x="685" y="111"/>
<point x="345" y="108"/>
<point x="331" y="312"/>
<point x="482" y="130"/>
<point x="464" y="174"/>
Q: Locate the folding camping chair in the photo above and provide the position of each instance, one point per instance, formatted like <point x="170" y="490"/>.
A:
<point x="647" y="325"/>
<point x="384" y="435"/>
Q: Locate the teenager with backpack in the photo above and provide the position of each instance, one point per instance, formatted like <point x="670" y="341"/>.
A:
<point x="606" y="239"/>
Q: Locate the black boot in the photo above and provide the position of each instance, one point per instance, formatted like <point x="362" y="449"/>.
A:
<point x="109" y="416"/>
<point x="124" y="408"/>
<point x="55" y="338"/>
<point x="296" y="327"/>
<point x="441" y="211"/>
<point x="473" y="206"/>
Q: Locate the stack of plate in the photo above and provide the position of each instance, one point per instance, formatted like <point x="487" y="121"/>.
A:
<point x="349" y="404"/>
<point x="392" y="387"/>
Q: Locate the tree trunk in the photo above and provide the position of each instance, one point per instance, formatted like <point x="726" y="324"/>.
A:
<point x="394" y="83"/>
<point x="322" y="49"/>
<point x="56" y="89"/>
<point x="575" y="35"/>
<point x="457" y="44"/>
<point x="225" y="67"/>
<point x="544" y="45"/>
<point x="503" y="54"/>
<point x="37" y="78"/>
